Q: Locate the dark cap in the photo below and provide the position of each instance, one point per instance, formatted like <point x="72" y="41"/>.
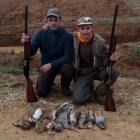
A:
<point x="54" y="12"/>
<point x="85" y="21"/>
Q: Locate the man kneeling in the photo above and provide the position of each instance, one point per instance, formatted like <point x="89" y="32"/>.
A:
<point x="90" y="61"/>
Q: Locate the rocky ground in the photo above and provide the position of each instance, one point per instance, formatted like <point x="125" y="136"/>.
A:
<point x="121" y="125"/>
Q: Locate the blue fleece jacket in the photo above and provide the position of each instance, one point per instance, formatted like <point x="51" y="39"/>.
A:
<point x="55" y="47"/>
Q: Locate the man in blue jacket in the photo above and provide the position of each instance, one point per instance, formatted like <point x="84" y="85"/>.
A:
<point x="56" y="48"/>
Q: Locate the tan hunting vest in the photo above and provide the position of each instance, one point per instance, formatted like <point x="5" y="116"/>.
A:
<point x="98" y="42"/>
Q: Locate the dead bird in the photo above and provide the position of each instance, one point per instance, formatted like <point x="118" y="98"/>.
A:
<point x="99" y="119"/>
<point x="36" y="111"/>
<point x="61" y="116"/>
<point x="72" y="119"/>
<point x="90" y="119"/>
<point x="81" y="118"/>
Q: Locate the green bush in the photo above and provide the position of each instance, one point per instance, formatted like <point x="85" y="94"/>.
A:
<point x="12" y="68"/>
<point x="125" y="46"/>
<point x="136" y="51"/>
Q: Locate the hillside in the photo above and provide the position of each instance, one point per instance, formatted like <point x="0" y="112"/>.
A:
<point x="12" y="17"/>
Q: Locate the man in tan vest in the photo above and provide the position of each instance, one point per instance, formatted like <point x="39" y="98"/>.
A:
<point x="90" y="61"/>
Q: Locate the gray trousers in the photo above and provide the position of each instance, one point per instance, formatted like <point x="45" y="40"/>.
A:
<point x="84" y="84"/>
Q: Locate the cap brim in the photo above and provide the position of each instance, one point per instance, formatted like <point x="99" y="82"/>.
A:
<point x="84" y="23"/>
<point x="52" y="14"/>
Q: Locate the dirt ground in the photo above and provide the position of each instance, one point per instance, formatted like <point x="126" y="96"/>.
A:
<point x="124" y="124"/>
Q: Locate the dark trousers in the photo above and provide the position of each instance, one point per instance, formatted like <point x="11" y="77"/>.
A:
<point x="45" y="80"/>
<point x="84" y="84"/>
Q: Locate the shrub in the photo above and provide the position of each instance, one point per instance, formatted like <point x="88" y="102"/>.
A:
<point x="136" y="51"/>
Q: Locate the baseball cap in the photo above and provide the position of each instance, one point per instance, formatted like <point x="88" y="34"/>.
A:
<point x="54" y="12"/>
<point x="85" y="21"/>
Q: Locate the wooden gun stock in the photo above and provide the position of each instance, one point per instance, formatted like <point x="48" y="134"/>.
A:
<point x="109" y="101"/>
<point x="31" y="95"/>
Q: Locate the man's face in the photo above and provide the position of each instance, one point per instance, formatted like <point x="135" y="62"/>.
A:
<point x="85" y="30"/>
<point x="53" y="22"/>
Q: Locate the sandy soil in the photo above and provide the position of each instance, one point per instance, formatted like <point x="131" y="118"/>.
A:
<point x="121" y="125"/>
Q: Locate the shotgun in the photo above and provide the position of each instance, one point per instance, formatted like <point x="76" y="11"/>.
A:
<point x="109" y="101"/>
<point x="31" y="95"/>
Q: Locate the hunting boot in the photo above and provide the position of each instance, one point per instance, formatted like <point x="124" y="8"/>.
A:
<point x="99" y="93"/>
<point x="66" y="90"/>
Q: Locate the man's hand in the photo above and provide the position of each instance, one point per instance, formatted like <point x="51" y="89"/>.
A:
<point x="45" y="27"/>
<point x="25" y="38"/>
<point x="45" y="68"/>
<point x="114" y="56"/>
